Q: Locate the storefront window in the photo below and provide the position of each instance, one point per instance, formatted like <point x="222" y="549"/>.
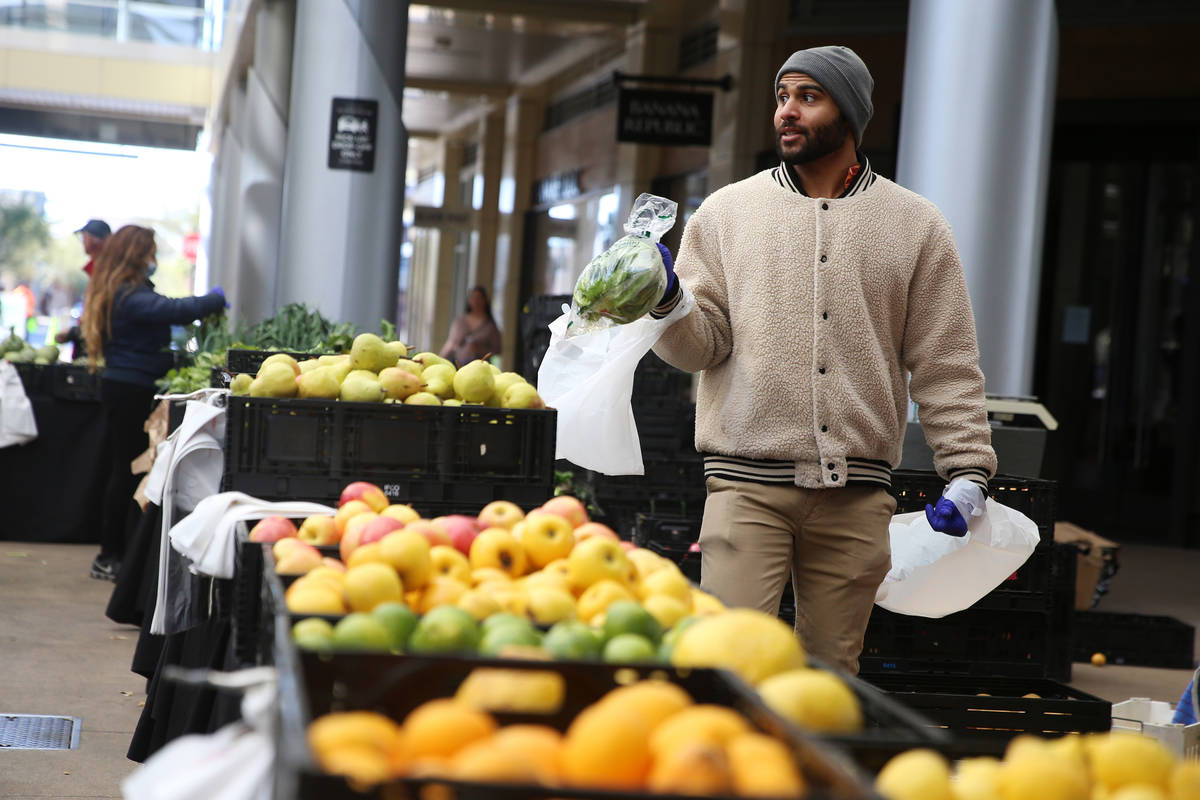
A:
<point x="568" y="235"/>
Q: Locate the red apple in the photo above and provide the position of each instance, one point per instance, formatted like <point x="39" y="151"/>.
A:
<point x="462" y="530"/>
<point x="378" y="528"/>
<point x="628" y="545"/>
<point x="319" y="529"/>
<point x="272" y="529"/>
<point x="348" y="512"/>
<point x="435" y="534"/>
<point x="354" y="529"/>
<point x="369" y="493"/>
<point x="569" y="508"/>
<point x="589" y="529"/>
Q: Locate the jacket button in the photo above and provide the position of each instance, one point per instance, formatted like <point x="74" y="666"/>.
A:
<point x="824" y="259"/>
<point x="832" y="465"/>
<point x="825" y="315"/>
<point x="824" y="428"/>
<point x="821" y="370"/>
<point x="833" y="477"/>
<point x="824" y="206"/>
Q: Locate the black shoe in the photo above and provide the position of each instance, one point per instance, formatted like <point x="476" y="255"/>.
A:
<point x="105" y="569"/>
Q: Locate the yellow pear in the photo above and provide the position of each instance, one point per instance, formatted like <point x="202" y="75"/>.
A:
<point x="398" y="383"/>
<point x="522" y="395"/>
<point x="398" y="347"/>
<point x="321" y="382"/>
<point x="474" y="381"/>
<point x="240" y="384"/>
<point x="279" y="358"/>
<point x="500" y="385"/>
<point x="408" y="365"/>
<point x="274" y="380"/>
<point x="309" y="364"/>
<point x="439" y="380"/>
<point x="359" y="388"/>
<point x="423" y="399"/>
<point x="369" y="352"/>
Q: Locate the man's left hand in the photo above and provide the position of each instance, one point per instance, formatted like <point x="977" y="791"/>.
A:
<point x="961" y="502"/>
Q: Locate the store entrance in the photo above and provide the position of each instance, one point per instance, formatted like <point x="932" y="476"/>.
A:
<point x="1119" y="330"/>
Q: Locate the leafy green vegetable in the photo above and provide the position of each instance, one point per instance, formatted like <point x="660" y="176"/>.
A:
<point x="623" y="283"/>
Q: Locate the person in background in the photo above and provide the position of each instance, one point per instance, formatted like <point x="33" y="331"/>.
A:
<point x="129" y="324"/>
<point x="820" y="288"/>
<point x="92" y="235"/>
<point x="474" y="334"/>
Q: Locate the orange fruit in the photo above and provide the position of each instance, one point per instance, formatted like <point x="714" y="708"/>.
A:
<point x="607" y="746"/>
<point x="541" y="745"/>
<point x="362" y="765"/>
<point x="482" y="761"/>
<point x="709" y="724"/>
<point x="440" y="728"/>
<point x="699" y="768"/>
<point x="653" y="700"/>
<point x="763" y="767"/>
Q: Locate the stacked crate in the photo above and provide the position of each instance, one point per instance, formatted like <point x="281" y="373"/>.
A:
<point x="536" y="317"/>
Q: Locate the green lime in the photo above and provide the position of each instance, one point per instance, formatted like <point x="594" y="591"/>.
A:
<point x="361" y="631"/>
<point x="573" y="640"/>
<point x="445" y="629"/>
<point x="626" y="616"/>
<point x="399" y="619"/>
<point x="629" y="648"/>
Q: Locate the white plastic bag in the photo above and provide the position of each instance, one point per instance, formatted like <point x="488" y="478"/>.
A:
<point x="17" y="423"/>
<point x="933" y="574"/>
<point x="588" y="379"/>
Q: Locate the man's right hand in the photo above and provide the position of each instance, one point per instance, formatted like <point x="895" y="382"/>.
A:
<point x="669" y="266"/>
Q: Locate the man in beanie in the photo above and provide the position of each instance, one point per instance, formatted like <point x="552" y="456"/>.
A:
<point x="826" y="295"/>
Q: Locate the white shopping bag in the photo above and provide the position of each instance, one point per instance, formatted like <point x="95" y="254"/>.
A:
<point x="933" y="574"/>
<point x="17" y="423"/>
<point x="588" y="379"/>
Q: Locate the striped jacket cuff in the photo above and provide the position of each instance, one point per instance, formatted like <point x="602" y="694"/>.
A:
<point x="668" y="303"/>
<point x="973" y="474"/>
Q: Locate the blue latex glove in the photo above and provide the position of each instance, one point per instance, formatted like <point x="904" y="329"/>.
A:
<point x="669" y="266"/>
<point x="945" y="518"/>
<point x="1185" y="710"/>
<point x="220" y="291"/>
<point x="961" y="502"/>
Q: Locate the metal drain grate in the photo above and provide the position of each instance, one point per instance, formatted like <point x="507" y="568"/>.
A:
<point x="39" y="732"/>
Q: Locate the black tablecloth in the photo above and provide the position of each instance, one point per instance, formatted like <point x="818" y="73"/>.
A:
<point x="51" y="488"/>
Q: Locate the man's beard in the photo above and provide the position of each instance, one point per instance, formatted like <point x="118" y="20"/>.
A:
<point x="818" y="142"/>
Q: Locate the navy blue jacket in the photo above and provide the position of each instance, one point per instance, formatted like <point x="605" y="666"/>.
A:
<point x="141" y="331"/>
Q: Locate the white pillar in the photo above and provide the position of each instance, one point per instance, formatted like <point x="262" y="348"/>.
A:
<point x="340" y="238"/>
<point x="975" y="129"/>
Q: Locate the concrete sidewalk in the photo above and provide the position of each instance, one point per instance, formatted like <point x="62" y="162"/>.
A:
<point x="61" y="655"/>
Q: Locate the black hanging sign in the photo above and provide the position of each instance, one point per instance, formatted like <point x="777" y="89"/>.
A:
<point x="352" y="124"/>
<point x="657" y="116"/>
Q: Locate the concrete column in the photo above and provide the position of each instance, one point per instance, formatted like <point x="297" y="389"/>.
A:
<point x="651" y="48"/>
<point x="340" y="240"/>
<point x="975" y="129"/>
<point x="742" y="117"/>
<point x="441" y="268"/>
<point x="522" y="123"/>
<point x="491" y="162"/>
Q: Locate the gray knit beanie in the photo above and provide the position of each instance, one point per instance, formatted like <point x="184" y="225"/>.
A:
<point x="844" y="75"/>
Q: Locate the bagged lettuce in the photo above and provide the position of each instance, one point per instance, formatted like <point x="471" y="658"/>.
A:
<point x="624" y="282"/>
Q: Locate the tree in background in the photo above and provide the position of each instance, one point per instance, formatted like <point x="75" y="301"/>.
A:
<point x="24" y="236"/>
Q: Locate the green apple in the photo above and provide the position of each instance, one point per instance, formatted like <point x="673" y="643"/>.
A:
<point x="629" y="648"/>
<point x="573" y="640"/>
<point x="501" y="636"/>
<point x="399" y="619"/>
<point x="626" y="616"/>
<point x="361" y="631"/>
<point x="445" y="629"/>
<point x="503" y="619"/>
<point x="313" y="633"/>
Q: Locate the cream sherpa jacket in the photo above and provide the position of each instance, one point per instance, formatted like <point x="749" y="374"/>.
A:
<point x="811" y="314"/>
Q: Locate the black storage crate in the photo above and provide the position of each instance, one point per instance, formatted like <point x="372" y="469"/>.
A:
<point x="75" y="382"/>
<point x="36" y="378"/>
<point x="984" y="713"/>
<point x="1046" y="582"/>
<point x="249" y="603"/>
<point x="431" y="455"/>
<point x="1033" y="497"/>
<point x="536" y="316"/>
<point x="237" y="360"/>
<point x="312" y="684"/>
<point x="1134" y="639"/>
<point x="975" y="642"/>
<point x="671" y="537"/>
<point x="618" y="506"/>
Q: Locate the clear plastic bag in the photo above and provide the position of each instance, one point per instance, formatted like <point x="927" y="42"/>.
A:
<point x="624" y="282"/>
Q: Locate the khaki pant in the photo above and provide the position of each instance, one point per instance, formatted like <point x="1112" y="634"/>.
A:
<point x="833" y="542"/>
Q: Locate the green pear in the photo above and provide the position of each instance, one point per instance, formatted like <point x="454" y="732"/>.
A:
<point x="398" y="347"/>
<point x="280" y="358"/>
<point x="361" y="388"/>
<point x="240" y="384"/>
<point x="438" y="379"/>
<point x="408" y="365"/>
<point x="500" y="385"/>
<point x="331" y="360"/>
<point x="423" y="399"/>
<point x="322" y="382"/>
<point x="276" y="379"/>
<point x="474" y="381"/>
<point x="309" y="364"/>
<point x="522" y="395"/>
<point x="427" y="359"/>
<point x="369" y="352"/>
<point x="398" y="383"/>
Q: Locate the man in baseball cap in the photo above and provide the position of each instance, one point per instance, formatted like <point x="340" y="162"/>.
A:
<point x="825" y="295"/>
<point x="93" y="234"/>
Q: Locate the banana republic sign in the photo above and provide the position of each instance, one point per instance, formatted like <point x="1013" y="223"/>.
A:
<point x="657" y="116"/>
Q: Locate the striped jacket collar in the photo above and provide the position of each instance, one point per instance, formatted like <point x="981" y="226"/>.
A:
<point x="785" y="176"/>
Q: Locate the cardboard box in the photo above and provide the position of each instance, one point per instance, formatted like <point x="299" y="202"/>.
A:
<point x="1153" y="718"/>
<point x="1095" y="552"/>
